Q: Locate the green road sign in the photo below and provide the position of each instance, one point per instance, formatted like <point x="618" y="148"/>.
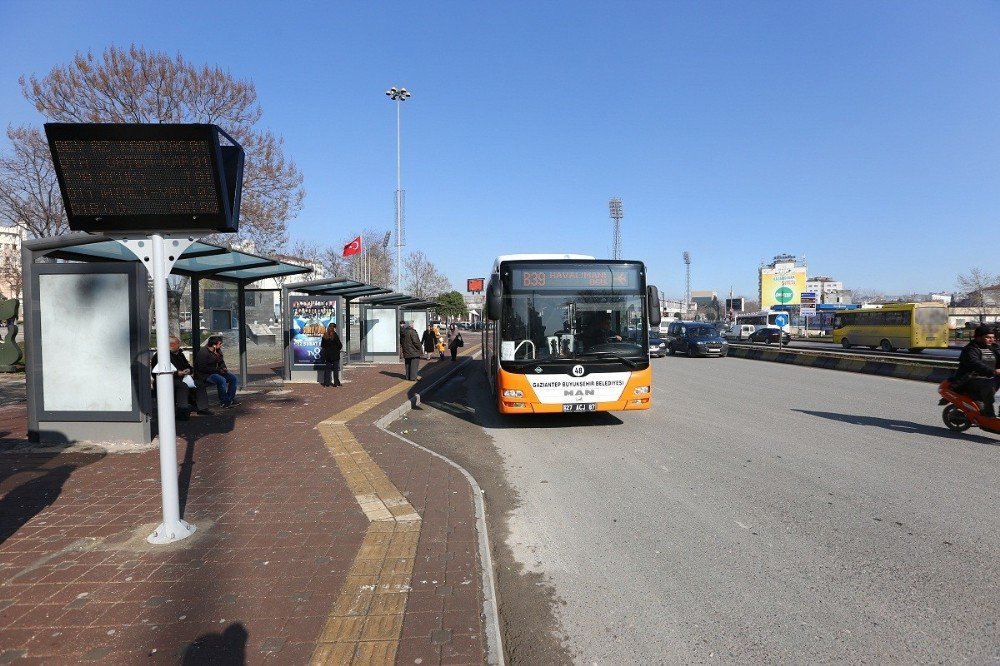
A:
<point x="783" y="294"/>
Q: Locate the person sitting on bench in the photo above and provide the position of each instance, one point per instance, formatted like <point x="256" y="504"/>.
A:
<point x="182" y="386"/>
<point x="209" y="366"/>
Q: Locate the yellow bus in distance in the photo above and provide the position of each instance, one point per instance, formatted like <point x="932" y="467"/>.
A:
<point x="911" y="326"/>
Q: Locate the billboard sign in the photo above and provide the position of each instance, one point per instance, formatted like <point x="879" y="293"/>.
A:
<point x="782" y="288"/>
<point x="475" y="285"/>
<point x="310" y="316"/>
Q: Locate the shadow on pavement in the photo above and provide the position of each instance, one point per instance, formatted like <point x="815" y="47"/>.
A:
<point x="26" y="500"/>
<point x="900" y="426"/>
<point x="227" y="648"/>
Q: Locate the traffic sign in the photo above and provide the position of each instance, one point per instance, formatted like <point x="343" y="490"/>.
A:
<point x="807" y="312"/>
<point x="782" y="319"/>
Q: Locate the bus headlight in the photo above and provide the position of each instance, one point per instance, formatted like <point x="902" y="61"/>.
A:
<point x="640" y="390"/>
<point x="513" y="393"/>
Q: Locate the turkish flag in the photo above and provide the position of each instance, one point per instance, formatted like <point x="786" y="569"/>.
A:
<point x="353" y="247"/>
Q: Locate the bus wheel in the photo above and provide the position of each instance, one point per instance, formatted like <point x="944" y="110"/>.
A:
<point x="845" y="343"/>
<point x="955" y="419"/>
<point x="887" y="346"/>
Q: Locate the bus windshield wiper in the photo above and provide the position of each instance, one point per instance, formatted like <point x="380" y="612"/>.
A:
<point x="606" y="354"/>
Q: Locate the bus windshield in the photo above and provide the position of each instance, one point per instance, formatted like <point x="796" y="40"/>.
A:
<point x="556" y="326"/>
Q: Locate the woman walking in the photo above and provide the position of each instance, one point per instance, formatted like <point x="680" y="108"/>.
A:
<point x="331" y="347"/>
<point x="428" y="340"/>
<point x="454" y="341"/>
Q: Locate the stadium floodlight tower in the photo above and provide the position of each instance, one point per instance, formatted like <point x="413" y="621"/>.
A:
<point x="398" y="95"/>
<point x="615" y="206"/>
<point x="687" y="283"/>
<point x="155" y="189"/>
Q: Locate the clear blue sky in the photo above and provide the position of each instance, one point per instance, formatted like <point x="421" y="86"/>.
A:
<point x="863" y="135"/>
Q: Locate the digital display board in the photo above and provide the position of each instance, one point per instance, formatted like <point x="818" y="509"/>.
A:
<point x="147" y="177"/>
<point x="575" y="277"/>
<point x="474" y="285"/>
<point x="310" y="316"/>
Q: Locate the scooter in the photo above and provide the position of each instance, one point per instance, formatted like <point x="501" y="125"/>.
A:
<point x="962" y="412"/>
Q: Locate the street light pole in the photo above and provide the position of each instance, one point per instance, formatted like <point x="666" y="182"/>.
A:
<point x="398" y="95"/>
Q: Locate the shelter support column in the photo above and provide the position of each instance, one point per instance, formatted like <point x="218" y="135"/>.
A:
<point x="241" y="308"/>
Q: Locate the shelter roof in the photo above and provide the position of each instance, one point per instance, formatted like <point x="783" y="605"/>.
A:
<point x="200" y="259"/>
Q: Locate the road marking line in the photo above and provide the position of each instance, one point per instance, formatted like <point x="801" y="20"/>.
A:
<point x="365" y="623"/>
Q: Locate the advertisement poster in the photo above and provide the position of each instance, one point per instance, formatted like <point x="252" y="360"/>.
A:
<point x="310" y="315"/>
<point x="784" y="288"/>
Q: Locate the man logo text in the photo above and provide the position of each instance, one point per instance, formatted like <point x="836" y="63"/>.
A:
<point x="579" y="392"/>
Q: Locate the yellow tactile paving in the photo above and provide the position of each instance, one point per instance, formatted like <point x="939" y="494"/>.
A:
<point x="366" y="620"/>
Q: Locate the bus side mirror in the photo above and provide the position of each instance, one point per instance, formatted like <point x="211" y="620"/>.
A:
<point x="653" y="305"/>
<point x="493" y="298"/>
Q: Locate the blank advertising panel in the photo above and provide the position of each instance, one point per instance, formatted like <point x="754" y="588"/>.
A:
<point x="85" y="342"/>
<point x="383" y="331"/>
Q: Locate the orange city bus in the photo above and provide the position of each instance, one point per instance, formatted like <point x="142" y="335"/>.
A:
<point x="568" y="333"/>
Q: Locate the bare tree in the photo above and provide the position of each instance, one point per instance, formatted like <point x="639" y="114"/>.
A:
<point x="136" y="86"/>
<point x="979" y="287"/>
<point x="422" y="278"/>
<point x="29" y="191"/>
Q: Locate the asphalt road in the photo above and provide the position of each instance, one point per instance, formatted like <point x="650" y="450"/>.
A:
<point x="759" y="512"/>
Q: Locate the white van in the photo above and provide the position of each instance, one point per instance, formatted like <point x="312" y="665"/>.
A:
<point x="739" y="332"/>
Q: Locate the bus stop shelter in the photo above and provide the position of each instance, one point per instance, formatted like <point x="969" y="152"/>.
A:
<point x="311" y="305"/>
<point x="382" y="317"/>
<point x="87" y="324"/>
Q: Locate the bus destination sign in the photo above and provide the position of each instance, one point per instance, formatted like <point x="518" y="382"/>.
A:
<point x="555" y="277"/>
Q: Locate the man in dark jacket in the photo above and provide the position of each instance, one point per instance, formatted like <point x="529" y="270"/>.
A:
<point x="409" y="345"/>
<point x="182" y="390"/>
<point x="209" y="366"/>
<point x="977" y="370"/>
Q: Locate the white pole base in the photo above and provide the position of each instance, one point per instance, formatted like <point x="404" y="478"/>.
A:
<point x="170" y="533"/>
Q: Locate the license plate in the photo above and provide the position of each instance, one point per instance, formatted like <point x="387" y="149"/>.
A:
<point x="580" y="407"/>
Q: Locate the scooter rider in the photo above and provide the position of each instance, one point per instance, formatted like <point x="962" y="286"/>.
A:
<point x="977" y="370"/>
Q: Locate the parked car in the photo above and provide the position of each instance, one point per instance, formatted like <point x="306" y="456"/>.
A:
<point x="657" y="347"/>
<point x="695" y="339"/>
<point x="769" y="335"/>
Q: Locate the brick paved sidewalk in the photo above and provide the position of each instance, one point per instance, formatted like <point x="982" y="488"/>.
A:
<point x="286" y="565"/>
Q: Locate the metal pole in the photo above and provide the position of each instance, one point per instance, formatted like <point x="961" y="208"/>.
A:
<point x="172" y="528"/>
<point x="399" y="202"/>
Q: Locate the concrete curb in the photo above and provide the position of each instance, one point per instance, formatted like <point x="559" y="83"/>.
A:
<point x="491" y="614"/>
<point x="900" y="369"/>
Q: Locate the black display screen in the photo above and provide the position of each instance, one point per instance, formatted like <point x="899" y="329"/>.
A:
<point x="119" y="177"/>
<point x="590" y="277"/>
